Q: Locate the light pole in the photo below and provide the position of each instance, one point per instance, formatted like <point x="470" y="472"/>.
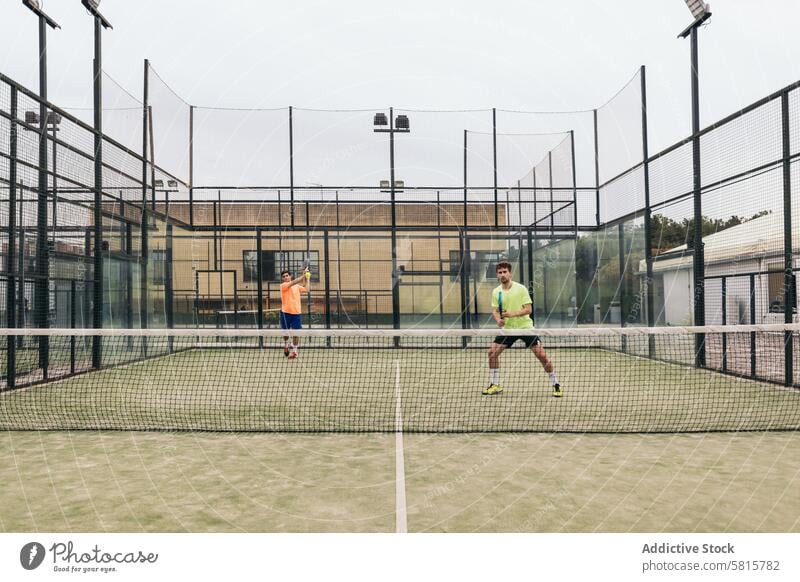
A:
<point x="396" y="125"/>
<point x="53" y="121"/>
<point x="701" y="12"/>
<point x="97" y="311"/>
<point x="41" y="297"/>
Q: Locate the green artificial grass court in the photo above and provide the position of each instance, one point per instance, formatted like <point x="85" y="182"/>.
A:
<point x="228" y="482"/>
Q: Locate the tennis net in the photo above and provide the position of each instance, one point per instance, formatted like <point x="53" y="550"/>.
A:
<point x="613" y="380"/>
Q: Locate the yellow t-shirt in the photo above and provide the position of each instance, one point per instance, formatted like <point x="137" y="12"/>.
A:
<point x="513" y="300"/>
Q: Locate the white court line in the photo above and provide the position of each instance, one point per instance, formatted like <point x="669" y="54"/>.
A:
<point x="401" y="513"/>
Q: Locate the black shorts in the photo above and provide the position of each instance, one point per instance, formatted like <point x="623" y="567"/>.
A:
<point x="508" y="340"/>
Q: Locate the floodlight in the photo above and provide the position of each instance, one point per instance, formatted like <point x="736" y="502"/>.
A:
<point x="384" y="184"/>
<point x="402" y="122"/>
<point x="92" y="6"/>
<point x="698" y="8"/>
<point x="159" y="183"/>
<point x="35" y="7"/>
<point x="31" y="118"/>
<point x="172" y="183"/>
<point x="380" y="119"/>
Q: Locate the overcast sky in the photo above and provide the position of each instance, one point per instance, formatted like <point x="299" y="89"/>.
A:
<point x="521" y="55"/>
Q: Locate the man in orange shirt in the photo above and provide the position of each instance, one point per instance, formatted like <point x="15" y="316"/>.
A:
<point x="290" y="309"/>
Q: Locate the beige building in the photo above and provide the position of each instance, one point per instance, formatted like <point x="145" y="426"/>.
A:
<point x="221" y="254"/>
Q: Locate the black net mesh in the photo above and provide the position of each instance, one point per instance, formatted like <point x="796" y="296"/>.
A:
<point x="424" y="381"/>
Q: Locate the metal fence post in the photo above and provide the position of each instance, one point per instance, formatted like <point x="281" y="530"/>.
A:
<point x="648" y="226"/>
<point x="11" y="267"/>
<point x="752" y="321"/>
<point x="494" y="167"/>
<point x="724" y="322"/>
<point x="788" y="274"/>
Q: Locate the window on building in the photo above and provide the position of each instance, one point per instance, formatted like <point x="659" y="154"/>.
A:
<point x="159" y="258"/>
<point x="455" y="265"/>
<point x="775" y="283"/>
<point x="273" y="262"/>
<point x="482" y="264"/>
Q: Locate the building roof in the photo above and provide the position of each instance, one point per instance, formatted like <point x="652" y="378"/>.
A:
<point x="760" y="237"/>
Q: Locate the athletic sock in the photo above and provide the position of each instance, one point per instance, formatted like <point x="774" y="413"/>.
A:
<point x="553" y="379"/>
<point x="494" y="375"/>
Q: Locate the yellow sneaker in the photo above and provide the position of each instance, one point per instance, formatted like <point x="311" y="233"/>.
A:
<point x="557" y="391"/>
<point x="492" y="389"/>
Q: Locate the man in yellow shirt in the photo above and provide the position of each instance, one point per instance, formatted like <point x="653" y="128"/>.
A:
<point x="512" y="307"/>
<point x="291" y="310"/>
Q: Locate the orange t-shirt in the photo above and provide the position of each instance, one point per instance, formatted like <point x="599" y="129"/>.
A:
<point x="290" y="298"/>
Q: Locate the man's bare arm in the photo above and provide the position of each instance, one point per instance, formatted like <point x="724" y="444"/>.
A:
<point x="497" y="318"/>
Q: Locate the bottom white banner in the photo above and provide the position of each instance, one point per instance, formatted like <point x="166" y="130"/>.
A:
<point x="356" y="557"/>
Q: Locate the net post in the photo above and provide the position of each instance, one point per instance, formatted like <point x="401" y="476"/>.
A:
<point x="259" y="288"/>
<point x="648" y="217"/>
<point x="11" y="267"/>
<point x="788" y="275"/>
<point x="752" y="321"/>
<point x="724" y="322"/>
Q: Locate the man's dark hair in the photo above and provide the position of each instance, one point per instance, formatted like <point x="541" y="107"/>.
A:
<point x="503" y="265"/>
<point x="286" y="272"/>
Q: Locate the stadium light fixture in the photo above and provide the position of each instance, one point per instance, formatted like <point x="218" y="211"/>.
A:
<point x="92" y="6"/>
<point x="701" y="11"/>
<point x="380" y="120"/>
<point x="53" y="119"/>
<point x="697" y="8"/>
<point x="34" y="6"/>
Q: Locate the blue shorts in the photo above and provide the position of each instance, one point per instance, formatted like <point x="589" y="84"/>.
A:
<point x="291" y="321"/>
